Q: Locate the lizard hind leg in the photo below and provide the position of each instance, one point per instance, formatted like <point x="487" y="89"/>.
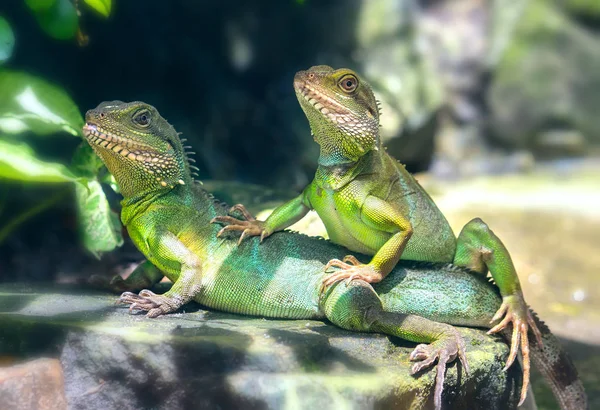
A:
<point x="480" y="250"/>
<point x="356" y="306"/>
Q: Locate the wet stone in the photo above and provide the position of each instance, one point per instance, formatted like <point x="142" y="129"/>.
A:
<point x="37" y="384"/>
<point x="203" y="359"/>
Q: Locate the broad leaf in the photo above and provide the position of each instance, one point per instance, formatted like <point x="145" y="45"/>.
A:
<point x="85" y="162"/>
<point x="110" y="180"/>
<point x="101" y="6"/>
<point x="40" y="5"/>
<point x="19" y="162"/>
<point x="99" y="226"/>
<point x="60" y="21"/>
<point x="7" y="40"/>
<point x="28" y="103"/>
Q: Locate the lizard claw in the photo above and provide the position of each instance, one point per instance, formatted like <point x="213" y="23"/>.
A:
<point x="515" y="312"/>
<point x="248" y="228"/>
<point x="242" y="209"/>
<point x="243" y="235"/>
<point x="350" y="269"/>
<point x="444" y="350"/>
<point x="155" y="305"/>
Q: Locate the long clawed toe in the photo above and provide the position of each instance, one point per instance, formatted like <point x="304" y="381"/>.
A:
<point x="426" y="355"/>
<point x="242" y="209"/>
<point x="248" y="227"/>
<point x="146" y="301"/>
<point x="514" y="311"/>
<point x="350" y="269"/>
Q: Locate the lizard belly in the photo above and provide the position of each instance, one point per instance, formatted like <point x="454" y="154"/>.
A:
<point x="344" y="224"/>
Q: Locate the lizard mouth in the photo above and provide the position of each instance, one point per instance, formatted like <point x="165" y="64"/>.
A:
<point x="120" y="145"/>
<point x="321" y="102"/>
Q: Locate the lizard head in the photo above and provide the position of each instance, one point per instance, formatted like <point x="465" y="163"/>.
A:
<point x="139" y="147"/>
<point x="341" y="109"/>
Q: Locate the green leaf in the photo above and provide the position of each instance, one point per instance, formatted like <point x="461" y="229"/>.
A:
<point x="19" y="162"/>
<point x="39" y="5"/>
<point x="110" y="180"/>
<point x="99" y="226"/>
<point x="7" y="40"/>
<point x="28" y="103"/>
<point x="101" y="6"/>
<point x="59" y="21"/>
<point x="85" y="162"/>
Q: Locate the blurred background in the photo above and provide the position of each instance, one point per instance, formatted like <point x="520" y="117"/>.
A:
<point x="493" y="103"/>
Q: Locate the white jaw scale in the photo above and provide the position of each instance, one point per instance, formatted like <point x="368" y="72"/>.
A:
<point x="326" y="105"/>
<point x="119" y="145"/>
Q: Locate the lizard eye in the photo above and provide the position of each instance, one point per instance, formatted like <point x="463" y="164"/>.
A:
<point x="348" y="83"/>
<point x="142" y="118"/>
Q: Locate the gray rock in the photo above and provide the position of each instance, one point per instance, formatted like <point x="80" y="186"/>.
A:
<point x="37" y="384"/>
<point x="204" y="359"/>
<point x="544" y="76"/>
<point x="405" y="82"/>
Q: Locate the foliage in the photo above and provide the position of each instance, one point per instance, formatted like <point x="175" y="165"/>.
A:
<point x="18" y="162"/>
<point x="7" y="40"/>
<point x="99" y="226"/>
<point x="101" y="6"/>
<point x="60" y="18"/>
<point x="33" y="106"/>
<point x="28" y="103"/>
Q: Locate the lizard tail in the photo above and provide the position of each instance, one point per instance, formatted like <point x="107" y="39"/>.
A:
<point x="558" y="369"/>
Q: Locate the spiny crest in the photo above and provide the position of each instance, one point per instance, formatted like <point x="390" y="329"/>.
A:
<point x="187" y="153"/>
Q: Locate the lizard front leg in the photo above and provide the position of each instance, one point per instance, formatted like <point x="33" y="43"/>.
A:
<point x="357" y="307"/>
<point x="282" y="217"/>
<point x="480" y="250"/>
<point x="380" y="215"/>
<point x="170" y="250"/>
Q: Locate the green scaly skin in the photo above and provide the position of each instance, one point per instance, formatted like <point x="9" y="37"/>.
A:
<point x="370" y="204"/>
<point x="168" y="217"/>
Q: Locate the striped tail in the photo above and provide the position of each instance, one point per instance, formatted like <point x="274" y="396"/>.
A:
<point x="558" y="369"/>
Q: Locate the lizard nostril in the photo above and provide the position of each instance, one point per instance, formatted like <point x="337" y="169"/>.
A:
<point x="102" y="115"/>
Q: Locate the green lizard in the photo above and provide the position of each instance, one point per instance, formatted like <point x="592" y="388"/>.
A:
<point x="168" y="217"/>
<point x="370" y="204"/>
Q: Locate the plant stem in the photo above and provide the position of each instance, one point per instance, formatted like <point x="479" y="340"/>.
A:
<point x="30" y="213"/>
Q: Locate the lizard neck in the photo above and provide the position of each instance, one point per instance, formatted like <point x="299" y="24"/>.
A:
<point x="189" y="196"/>
<point x="340" y="150"/>
<point x="337" y="175"/>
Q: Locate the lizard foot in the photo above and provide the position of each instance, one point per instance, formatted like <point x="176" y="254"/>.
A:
<point x="515" y="311"/>
<point x="150" y="302"/>
<point x="351" y="269"/>
<point x="249" y="227"/>
<point x="444" y="350"/>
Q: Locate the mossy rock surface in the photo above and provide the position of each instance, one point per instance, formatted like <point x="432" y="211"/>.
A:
<point x="544" y="77"/>
<point x="206" y="359"/>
